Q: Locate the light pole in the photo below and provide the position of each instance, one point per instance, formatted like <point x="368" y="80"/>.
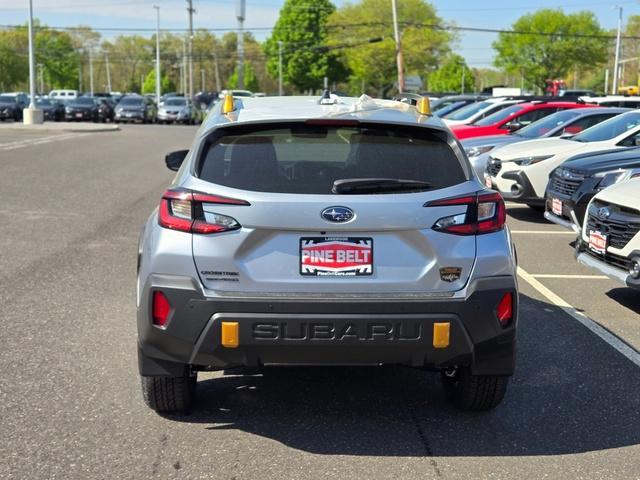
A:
<point x="616" y="63"/>
<point x="191" y="12"/>
<point x="106" y="59"/>
<point x="280" y="89"/>
<point x="91" y="70"/>
<point x="399" y="60"/>
<point x="31" y="114"/>
<point x="202" y="79"/>
<point x="157" y="8"/>
<point x="240" y="15"/>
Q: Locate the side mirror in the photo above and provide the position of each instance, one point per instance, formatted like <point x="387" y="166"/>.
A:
<point x="175" y="159"/>
<point x="567" y="135"/>
<point x="513" y="126"/>
<point x="636" y="141"/>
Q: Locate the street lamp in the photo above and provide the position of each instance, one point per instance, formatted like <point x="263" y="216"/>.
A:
<point x="616" y="63"/>
<point x="157" y="8"/>
<point x="32" y="115"/>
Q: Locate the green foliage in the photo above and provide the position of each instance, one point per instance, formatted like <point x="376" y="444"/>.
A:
<point x="250" y="80"/>
<point x="448" y="78"/>
<point x="551" y="56"/>
<point x="149" y="86"/>
<point x="375" y="63"/>
<point x="302" y="27"/>
<point x="54" y="50"/>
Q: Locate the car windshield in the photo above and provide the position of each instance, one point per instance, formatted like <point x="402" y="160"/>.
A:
<point x="499" y="116"/>
<point x="83" y="101"/>
<point x="175" y="102"/>
<point x="546" y="124"/>
<point x="7" y="99"/>
<point x="609" y="128"/>
<point x="308" y="159"/>
<point x="132" y="102"/>
<point x="443" y="111"/>
<point x="466" y="112"/>
<point x="43" y="102"/>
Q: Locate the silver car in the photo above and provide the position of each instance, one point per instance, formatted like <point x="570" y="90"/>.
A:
<point x="332" y="231"/>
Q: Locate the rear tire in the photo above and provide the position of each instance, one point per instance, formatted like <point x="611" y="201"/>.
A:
<point x="169" y="394"/>
<point x="475" y="393"/>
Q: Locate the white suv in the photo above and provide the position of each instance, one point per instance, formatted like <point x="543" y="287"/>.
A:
<point x="610" y="239"/>
<point x="477" y="111"/>
<point x="520" y="171"/>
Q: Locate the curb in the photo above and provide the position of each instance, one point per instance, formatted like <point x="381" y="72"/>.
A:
<point x="46" y="129"/>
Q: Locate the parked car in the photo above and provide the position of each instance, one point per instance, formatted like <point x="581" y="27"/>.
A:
<point x="512" y="118"/>
<point x="235" y="93"/>
<point x="452" y="103"/>
<point x="564" y="122"/>
<point x="477" y="111"/>
<point x="614" y="101"/>
<point x="576" y="93"/>
<point x="574" y="183"/>
<point x="11" y="106"/>
<point x="296" y="234"/>
<point x="82" y="108"/>
<point x="52" y="110"/>
<point x="135" y="108"/>
<point x="521" y="171"/>
<point x="64" y="95"/>
<point x="610" y="237"/>
<point x="177" y="110"/>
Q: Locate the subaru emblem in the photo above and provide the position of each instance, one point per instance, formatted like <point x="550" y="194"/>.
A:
<point x="603" y="213"/>
<point x="338" y="214"/>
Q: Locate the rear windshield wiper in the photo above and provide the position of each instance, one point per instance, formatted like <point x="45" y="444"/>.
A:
<point x="356" y="186"/>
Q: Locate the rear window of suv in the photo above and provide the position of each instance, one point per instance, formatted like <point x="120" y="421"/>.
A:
<point x="305" y="158"/>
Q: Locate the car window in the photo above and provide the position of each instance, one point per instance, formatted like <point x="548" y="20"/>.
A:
<point x="131" y="101"/>
<point x="545" y="125"/>
<point x="609" y="128"/>
<point x="499" y="116"/>
<point x="466" y="112"/>
<point x="84" y="101"/>
<point x="442" y="112"/>
<point x="631" y="141"/>
<point x="583" y="123"/>
<point x="533" y="115"/>
<point x="7" y="99"/>
<point x="305" y="158"/>
<point x="175" y="102"/>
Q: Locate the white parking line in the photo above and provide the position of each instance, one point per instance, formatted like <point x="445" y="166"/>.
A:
<point x="545" y="232"/>
<point x="36" y="141"/>
<point x="572" y="277"/>
<point x="596" y="328"/>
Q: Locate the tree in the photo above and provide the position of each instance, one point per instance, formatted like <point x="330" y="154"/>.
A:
<point x="149" y="86"/>
<point x="375" y="63"/>
<point x="302" y="27"/>
<point x="250" y="80"/>
<point x="550" y="51"/>
<point x="449" y="77"/>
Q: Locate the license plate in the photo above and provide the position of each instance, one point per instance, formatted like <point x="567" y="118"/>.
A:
<point x="556" y="207"/>
<point x="78" y="115"/>
<point x="487" y="182"/>
<point x="128" y="115"/>
<point x="336" y="256"/>
<point x="597" y="242"/>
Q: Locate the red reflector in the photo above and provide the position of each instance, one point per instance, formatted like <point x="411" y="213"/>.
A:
<point x="205" y="198"/>
<point x="504" y="311"/>
<point x="161" y="309"/>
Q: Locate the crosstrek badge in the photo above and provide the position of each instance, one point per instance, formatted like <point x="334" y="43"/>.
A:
<point x="336" y="256"/>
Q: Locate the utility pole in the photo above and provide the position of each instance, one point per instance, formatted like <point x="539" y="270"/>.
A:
<point x="462" y="82"/>
<point x="184" y="67"/>
<point x="280" y="87"/>
<point x="91" y="70"/>
<point x="217" y="71"/>
<point x="240" y="15"/>
<point x="41" y="78"/>
<point x="202" y="78"/>
<point x="157" y="8"/>
<point x="191" y="12"/>
<point x="106" y="60"/>
<point x="616" y="63"/>
<point x="31" y="114"/>
<point x="606" y="80"/>
<point x="399" y="60"/>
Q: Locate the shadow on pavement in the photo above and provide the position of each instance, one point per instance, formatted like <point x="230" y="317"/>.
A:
<point x="526" y="214"/>
<point x="627" y="297"/>
<point x="571" y="393"/>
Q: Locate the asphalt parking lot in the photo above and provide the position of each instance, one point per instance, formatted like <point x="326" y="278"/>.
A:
<point x="70" y="399"/>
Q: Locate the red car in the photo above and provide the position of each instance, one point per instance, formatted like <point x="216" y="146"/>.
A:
<point x="512" y="118"/>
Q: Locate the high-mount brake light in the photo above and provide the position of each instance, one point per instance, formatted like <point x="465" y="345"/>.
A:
<point x="182" y="210"/>
<point x="485" y="213"/>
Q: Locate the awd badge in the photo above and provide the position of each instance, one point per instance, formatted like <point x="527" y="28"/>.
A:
<point x="450" y="274"/>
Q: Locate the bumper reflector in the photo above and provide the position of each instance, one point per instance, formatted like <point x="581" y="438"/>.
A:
<point x="441" y="335"/>
<point x="230" y="334"/>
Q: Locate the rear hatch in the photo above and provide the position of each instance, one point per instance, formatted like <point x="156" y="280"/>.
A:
<point x="316" y="208"/>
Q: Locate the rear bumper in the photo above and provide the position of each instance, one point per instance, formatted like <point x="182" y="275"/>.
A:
<point x="330" y="331"/>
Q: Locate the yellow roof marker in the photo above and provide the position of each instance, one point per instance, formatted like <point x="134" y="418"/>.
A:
<point x="228" y="104"/>
<point x="424" y="106"/>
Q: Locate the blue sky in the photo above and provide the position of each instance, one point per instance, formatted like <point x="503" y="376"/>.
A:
<point x="475" y="47"/>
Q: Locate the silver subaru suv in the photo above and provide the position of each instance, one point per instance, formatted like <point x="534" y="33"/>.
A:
<point x="331" y="231"/>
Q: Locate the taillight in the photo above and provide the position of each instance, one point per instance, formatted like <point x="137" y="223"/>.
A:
<point x="485" y="213"/>
<point x="504" y="312"/>
<point x="161" y="309"/>
<point x="182" y="210"/>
